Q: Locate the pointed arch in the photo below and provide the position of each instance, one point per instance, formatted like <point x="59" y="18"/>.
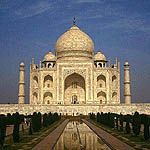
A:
<point x="74" y="84"/>
<point x="101" y="97"/>
<point x="35" y="98"/>
<point x="47" y="98"/>
<point x="114" y="82"/>
<point x="35" y="81"/>
<point x="101" y="81"/>
<point x="114" y="96"/>
<point x="48" y="81"/>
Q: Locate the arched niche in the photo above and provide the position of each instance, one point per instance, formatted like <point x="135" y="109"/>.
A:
<point x="114" y="82"/>
<point x="35" y="98"/>
<point x="99" y="64"/>
<point x="101" y="81"/>
<point x="48" y="81"/>
<point x="47" y="98"/>
<point x="50" y="65"/>
<point x="101" y="97"/>
<point x="114" y="96"/>
<point x="35" y="81"/>
<point x="74" y="89"/>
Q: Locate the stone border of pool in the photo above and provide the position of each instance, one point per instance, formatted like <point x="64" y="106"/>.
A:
<point x="111" y="141"/>
<point x="49" y="141"/>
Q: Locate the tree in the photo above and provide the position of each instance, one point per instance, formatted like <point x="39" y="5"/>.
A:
<point x="9" y="119"/>
<point x="45" y="120"/>
<point x="93" y="116"/>
<point x="30" y="127"/>
<point x="2" y="130"/>
<point x="17" y="122"/>
<point x="112" y="120"/>
<point x="121" y="122"/>
<point x="128" y="128"/>
<point x="39" y="120"/>
<point x="136" y="123"/>
<point x="116" y="122"/>
<point x="146" y="127"/>
<point x="98" y="117"/>
<point x="35" y="122"/>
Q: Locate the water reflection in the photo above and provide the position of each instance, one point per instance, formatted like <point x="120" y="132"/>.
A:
<point x="78" y="136"/>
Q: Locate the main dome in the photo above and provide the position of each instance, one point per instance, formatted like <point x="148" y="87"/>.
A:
<point x="74" y="42"/>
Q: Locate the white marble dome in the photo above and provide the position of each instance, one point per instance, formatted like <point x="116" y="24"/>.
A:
<point x="99" y="56"/>
<point x="74" y="42"/>
<point x="49" y="57"/>
<point x="22" y="64"/>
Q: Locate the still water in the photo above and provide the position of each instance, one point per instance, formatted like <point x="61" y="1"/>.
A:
<point x="78" y="136"/>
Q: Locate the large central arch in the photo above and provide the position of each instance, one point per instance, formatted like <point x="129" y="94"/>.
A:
<point x="74" y="89"/>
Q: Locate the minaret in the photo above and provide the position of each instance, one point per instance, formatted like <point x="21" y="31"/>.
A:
<point x="127" y="90"/>
<point x="21" y="94"/>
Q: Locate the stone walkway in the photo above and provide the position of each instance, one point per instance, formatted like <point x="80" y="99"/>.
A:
<point x="111" y="141"/>
<point x="48" y="142"/>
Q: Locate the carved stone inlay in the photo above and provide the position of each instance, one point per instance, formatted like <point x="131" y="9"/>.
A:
<point x="67" y="72"/>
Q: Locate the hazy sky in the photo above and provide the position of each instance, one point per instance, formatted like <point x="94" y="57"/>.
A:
<point x="30" y="28"/>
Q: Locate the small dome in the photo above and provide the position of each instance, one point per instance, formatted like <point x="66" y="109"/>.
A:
<point x="49" y="57"/>
<point x="22" y="64"/>
<point x="74" y="42"/>
<point x="126" y="63"/>
<point x="99" y="56"/>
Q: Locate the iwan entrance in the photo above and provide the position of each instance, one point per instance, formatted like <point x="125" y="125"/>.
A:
<point x="74" y="89"/>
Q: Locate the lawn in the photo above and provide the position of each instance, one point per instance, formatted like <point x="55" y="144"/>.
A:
<point x="27" y="142"/>
<point x="136" y="142"/>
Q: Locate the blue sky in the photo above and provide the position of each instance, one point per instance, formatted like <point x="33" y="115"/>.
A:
<point x="30" y="28"/>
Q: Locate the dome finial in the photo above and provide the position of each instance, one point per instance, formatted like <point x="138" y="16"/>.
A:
<point x="74" y="21"/>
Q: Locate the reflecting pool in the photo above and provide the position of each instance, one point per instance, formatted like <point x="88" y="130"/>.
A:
<point x="78" y="136"/>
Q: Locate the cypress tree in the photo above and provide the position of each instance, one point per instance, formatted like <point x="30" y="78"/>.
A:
<point x="16" y="127"/>
<point x="45" y="120"/>
<point x="2" y="130"/>
<point x="35" y="122"/>
<point x="116" y="121"/>
<point x="98" y="117"/>
<point x="39" y="119"/>
<point x="146" y="127"/>
<point x="128" y="128"/>
<point x="30" y="127"/>
<point x="9" y="119"/>
<point x="121" y="122"/>
<point x="136" y="123"/>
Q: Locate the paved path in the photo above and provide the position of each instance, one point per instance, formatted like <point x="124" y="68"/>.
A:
<point x="48" y="142"/>
<point x="111" y="141"/>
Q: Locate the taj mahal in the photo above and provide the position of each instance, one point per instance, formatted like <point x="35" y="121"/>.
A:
<point x="75" y="75"/>
<point x="75" y="79"/>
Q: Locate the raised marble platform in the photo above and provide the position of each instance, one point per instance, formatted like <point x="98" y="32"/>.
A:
<point x="75" y="109"/>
